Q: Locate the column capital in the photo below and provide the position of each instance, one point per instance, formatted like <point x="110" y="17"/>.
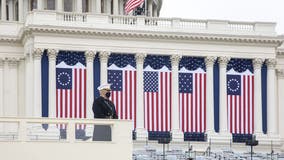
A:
<point x="257" y="63"/>
<point x="175" y="59"/>
<point x="90" y="55"/>
<point x="140" y="57"/>
<point x="209" y="61"/>
<point x="104" y="55"/>
<point x="223" y="61"/>
<point x="280" y="73"/>
<point x="37" y="53"/>
<point x="12" y="61"/>
<point x="52" y="54"/>
<point x="1" y="62"/>
<point x="271" y="63"/>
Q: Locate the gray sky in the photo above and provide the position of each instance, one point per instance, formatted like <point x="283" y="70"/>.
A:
<point x="233" y="10"/>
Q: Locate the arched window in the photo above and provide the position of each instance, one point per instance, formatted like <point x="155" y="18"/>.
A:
<point x="68" y="5"/>
<point x="49" y="5"/>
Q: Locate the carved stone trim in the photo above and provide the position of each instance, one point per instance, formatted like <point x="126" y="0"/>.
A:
<point x="104" y="56"/>
<point x="280" y="73"/>
<point x="52" y="54"/>
<point x="223" y="61"/>
<point x="90" y="55"/>
<point x="12" y="61"/>
<point x="209" y="61"/>
<point x="257" y="63"/>
<point x="37" y="53"/>
<point x="271" y="63"/>
<point x="1" y="62"/>
<point x="175" y="59"/>
<point x="140" y="58"/>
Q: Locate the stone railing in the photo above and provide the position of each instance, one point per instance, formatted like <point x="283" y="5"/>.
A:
<point x="72" y="17"/>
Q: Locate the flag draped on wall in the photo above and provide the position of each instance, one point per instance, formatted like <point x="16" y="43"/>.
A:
<point x="71" y="85"/>
<point x="240" y="96"/>
<point x="122" y="76"/>
<point x="157" y="93"/>
<point x="131" y="5"/>
<point x="192" y="94"/>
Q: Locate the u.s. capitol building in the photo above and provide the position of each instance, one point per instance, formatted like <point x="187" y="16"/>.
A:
<point x="205" y="84"/>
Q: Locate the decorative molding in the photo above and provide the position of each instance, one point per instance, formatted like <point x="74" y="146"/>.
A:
<point x="90" y="55"/>
<point x="1" y="62"/>
<point x="280" y="73"/>
<point x="104" y="56"/>
<point x="257" y="63"/>
<point x="271" y="63"/>
<point x="209" y="61"/>
<point x="37" y="53"/>
<point x="223" y="61"/>
<point x="140" y="57"/>
<point x="175" y="59"/>
<point x="52" y="54"/>
<point x="280" y="52"/>
<point x="13" y="61"/>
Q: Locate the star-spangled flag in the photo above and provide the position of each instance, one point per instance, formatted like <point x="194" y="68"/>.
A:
<point x="240" y="102"/>
<point x="192" y="100"/>
<point x="71" y="92"/>
<point x="123" y="93"/>
<point x="157" y="98"/>
<point x="131" y="5"/>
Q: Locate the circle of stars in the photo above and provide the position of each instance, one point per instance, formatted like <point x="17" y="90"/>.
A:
<point x="64" y="78"/>
<point x="233" y="82"/>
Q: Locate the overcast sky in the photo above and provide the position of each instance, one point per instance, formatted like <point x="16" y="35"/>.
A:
<point x="234" y="10"/>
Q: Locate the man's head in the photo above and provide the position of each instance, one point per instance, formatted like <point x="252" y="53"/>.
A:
<point x="104" y="90"/>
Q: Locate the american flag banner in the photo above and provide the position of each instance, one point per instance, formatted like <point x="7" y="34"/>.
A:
<point x="122" y="76"/>
<point x="157" y="94"/>
<point x="192" y="94"/>
<point x="71" y="87"/>
<point x="131" y="5"/>
<point x="240" y="97"/>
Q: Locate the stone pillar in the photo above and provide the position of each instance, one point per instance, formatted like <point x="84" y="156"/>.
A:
<point x="223" y="120"/>
<point x="209" y="95"/>
<point x="11" y="10"/>
<point x="29" y="87"/>
<point x="25" y="8"/>
<point x="37" y="82"/>
<point x="115" y="7"/>
<point x="271" y="98"/>
<point x="121" y="7"/>
<point x="257" y="64"/>
<point x="52" y="53"/>
<point x="3" y="10"/>
<point x="1" y="89"/>
<point x="40" y="5"/>
<point x="155" y="11"/>
<point x="150" y="8"/>
<point x="59" y="5"/>
<point x="108" y="6"/>
<point x="98" y="6"/>
<point x="21" y="88"/>
<point x="21" y="10"/>
<point x="104" y="60"/>
<point x="79" y="7"/>
<point x="141" y="133"/>
<point x="90" y="55"/>
<point x="280" y="86"/>
<point x="177" y="134"/>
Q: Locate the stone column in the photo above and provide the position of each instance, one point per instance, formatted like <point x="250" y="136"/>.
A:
<point x="141" y="133"/>
<point x="223" y="120"/>
<point x="1" y="88"/>
<point x="79" y="7"/>
<point x="115" y="7"/>
<point x="90" y="55"/>
<point x="29" y="87"/>
<point x="257" y="64"/>
<point x="3" y="10"/>
<point x="52" y="53"/>
<point x="108" y="6"/>
<point x="21" y="88"/>
<point x="209" y="95"/>
<point x="40" y="5"/>
<point x="177" y="134"/>
<point x="280" y="86"/>
<point x="25" y="8"/>
<point x="150" y="8"/>
<point x="11" y="10"/>
<point x="104" y="60"/>
<point x="21" y="10"/>
<point x="155" y="11"/>
<point x="37" y="82"/>
<point x="271" y="98"/>
<point x="59" y="5"/>
<point x="121" y="7"/>
<point x="98" y="6"/>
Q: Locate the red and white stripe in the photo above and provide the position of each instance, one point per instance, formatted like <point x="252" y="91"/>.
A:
<point x="158" y="105"/>
<point x="125" y="100"/>
<point x="131" y="5"/>
<point x="241" y="108"/>
<point x="193" y="106"/>
<point x="71" y="103"/>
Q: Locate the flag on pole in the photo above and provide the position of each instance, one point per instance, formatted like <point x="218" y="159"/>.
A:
<point x="131" y="5"/>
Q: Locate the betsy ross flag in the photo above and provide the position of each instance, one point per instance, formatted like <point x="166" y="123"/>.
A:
<point x="240" y="97"/>
<point x="131" y="5"/>
<point x="70" y="87"/>
<point x="122" y="77"/>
